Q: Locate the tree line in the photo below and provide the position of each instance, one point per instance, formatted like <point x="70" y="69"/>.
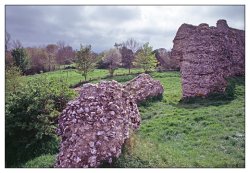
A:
<point x="127" y="54"/>
<point x="32" y="60"/>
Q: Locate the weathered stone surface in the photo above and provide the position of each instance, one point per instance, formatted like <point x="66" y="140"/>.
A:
<point x="166" y="61"/>
<point x="94" y="127"/>
<point x="208" y="55"/>
<point x="143" y="87"/>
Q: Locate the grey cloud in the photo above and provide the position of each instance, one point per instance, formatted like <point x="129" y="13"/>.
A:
<point x="102" y="26"/>
<point x="115" y="14"/>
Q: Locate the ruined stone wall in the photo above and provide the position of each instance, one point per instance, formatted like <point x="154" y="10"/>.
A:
<point x="94" y="127"/>
<point x="208" y="55"/>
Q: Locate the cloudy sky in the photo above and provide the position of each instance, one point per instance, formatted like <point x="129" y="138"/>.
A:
<point x="102" y="26"/>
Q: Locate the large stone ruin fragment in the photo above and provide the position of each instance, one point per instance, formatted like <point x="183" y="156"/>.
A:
<point x="208" y="55"/>
<point x="166" y="61"/>
<point x="143" y="87"/>
<point x="94" y="127"/>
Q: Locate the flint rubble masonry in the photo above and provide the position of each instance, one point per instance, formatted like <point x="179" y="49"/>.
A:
<point x="94" y="127"/>
<point x="208" y="55"/>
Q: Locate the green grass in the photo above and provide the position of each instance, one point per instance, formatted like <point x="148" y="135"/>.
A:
<point x="199" y="133"/>
<point x="73" y="76"/>
<point x="203" y="133"/>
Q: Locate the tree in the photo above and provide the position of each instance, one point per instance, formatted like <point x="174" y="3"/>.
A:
<point x="8" y="58"/>
<point x="146" y="58"/>
<point x="7" y="41"/>
<point x="52" y="51"/>
<point x="65" y="55"/>
<point x="9" y="61"/>
<point x="128" y="50"/>
<point x="85" y="60"/>
<point x="131" y="44"/>
<point x="127" y="57"/>
<point x="20" y="58"/>
<point x="38" y="60"/>
<point x="16" y="44"/>
<point x="113" y="58"/>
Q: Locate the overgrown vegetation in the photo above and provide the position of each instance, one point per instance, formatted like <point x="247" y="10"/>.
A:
<point x="13" y="81"/>
<point x="30" y="119"/>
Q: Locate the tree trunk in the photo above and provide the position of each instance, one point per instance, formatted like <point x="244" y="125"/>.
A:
<point x="110" y="71"/>
<point x="85" y="77"/>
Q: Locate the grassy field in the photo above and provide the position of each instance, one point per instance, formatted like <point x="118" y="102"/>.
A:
<point x="73" y="77"/>
<point x="202" y="133"/>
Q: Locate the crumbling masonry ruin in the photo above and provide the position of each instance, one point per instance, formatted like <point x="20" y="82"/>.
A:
<point x="208" y="55"/>
<point x="94" y="127"/>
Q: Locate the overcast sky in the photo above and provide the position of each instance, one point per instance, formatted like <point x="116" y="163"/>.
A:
<point x="102" y="26"/>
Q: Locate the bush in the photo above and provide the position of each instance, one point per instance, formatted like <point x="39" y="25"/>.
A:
<point x="30" y="119"/>
<point x="44" y="161"/>
<point x="13" y="80"/>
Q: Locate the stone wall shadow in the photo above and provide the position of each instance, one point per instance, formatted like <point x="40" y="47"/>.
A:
<point x="215" y="99"/>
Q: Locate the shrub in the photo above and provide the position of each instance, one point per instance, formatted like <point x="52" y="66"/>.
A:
<point x="14" y="80"/>
<point x="44" y="161"/>
<point x="30" y="119"/>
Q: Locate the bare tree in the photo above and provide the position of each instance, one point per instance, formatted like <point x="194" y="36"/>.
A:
<point x="16" y="44"/>
<point x="52" y="51"/>
<point x="65" y="55"/>
<point x="7" y="41"/>
<point x="131" y="44"/>
<point x="38" y="59"/>
<point x="113" y="58"/>
<point x="118" y="45"/>
<point x="60" y="44"/>
<point x="9" y="61"/>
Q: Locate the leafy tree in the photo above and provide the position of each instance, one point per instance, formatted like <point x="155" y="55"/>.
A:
<point x="146" y="58"/>
<point x="85" y="60"/>
<point x="20" y="58"/>
<point x="113" y="58"/>
<point x="30" y="119"/>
